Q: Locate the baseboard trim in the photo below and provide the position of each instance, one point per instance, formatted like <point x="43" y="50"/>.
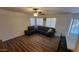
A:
<point x="13" y="38"/>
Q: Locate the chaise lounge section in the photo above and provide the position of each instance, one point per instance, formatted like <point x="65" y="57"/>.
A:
<point x="46" y="31"/>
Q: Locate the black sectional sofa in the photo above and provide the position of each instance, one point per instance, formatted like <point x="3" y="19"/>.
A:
<point x="40" y="29"/>
<point x="30" y="31"/>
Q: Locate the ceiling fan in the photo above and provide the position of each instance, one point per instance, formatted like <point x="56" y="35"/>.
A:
<point x="36" y="12"/>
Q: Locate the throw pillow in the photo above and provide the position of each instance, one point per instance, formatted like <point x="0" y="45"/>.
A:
<point x="49" y="30"/>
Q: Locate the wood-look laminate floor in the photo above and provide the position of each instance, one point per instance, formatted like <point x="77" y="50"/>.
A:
<point x="33" y="43"/>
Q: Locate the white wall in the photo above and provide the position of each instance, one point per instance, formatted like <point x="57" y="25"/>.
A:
<point x="12" y="24"/>
<point x="63" y="23"/>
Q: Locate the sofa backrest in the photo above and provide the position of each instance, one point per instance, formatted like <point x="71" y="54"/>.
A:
<point x="46" y="28"/>
<point x="43" y="28"/>
<point x="31" y="28"/>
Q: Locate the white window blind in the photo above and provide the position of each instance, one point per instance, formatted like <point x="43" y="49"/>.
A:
<point x="32" y="21"/>
<point x="51" y="22"/>
<point x="40" y="21"/>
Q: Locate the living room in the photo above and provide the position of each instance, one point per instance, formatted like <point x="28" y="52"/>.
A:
<point x="15" y="20"/>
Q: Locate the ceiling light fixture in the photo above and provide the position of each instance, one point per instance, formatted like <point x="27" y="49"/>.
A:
<point x="35" y="12"/>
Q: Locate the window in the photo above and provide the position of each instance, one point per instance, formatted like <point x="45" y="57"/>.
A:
<point x="32" y="21"/>
<point x="74" y="26"/>
<point x="51" y="22"/>
<point x="40" y="21"/>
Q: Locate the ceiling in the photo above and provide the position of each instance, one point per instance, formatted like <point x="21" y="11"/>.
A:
<point x="45" y="10"/>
